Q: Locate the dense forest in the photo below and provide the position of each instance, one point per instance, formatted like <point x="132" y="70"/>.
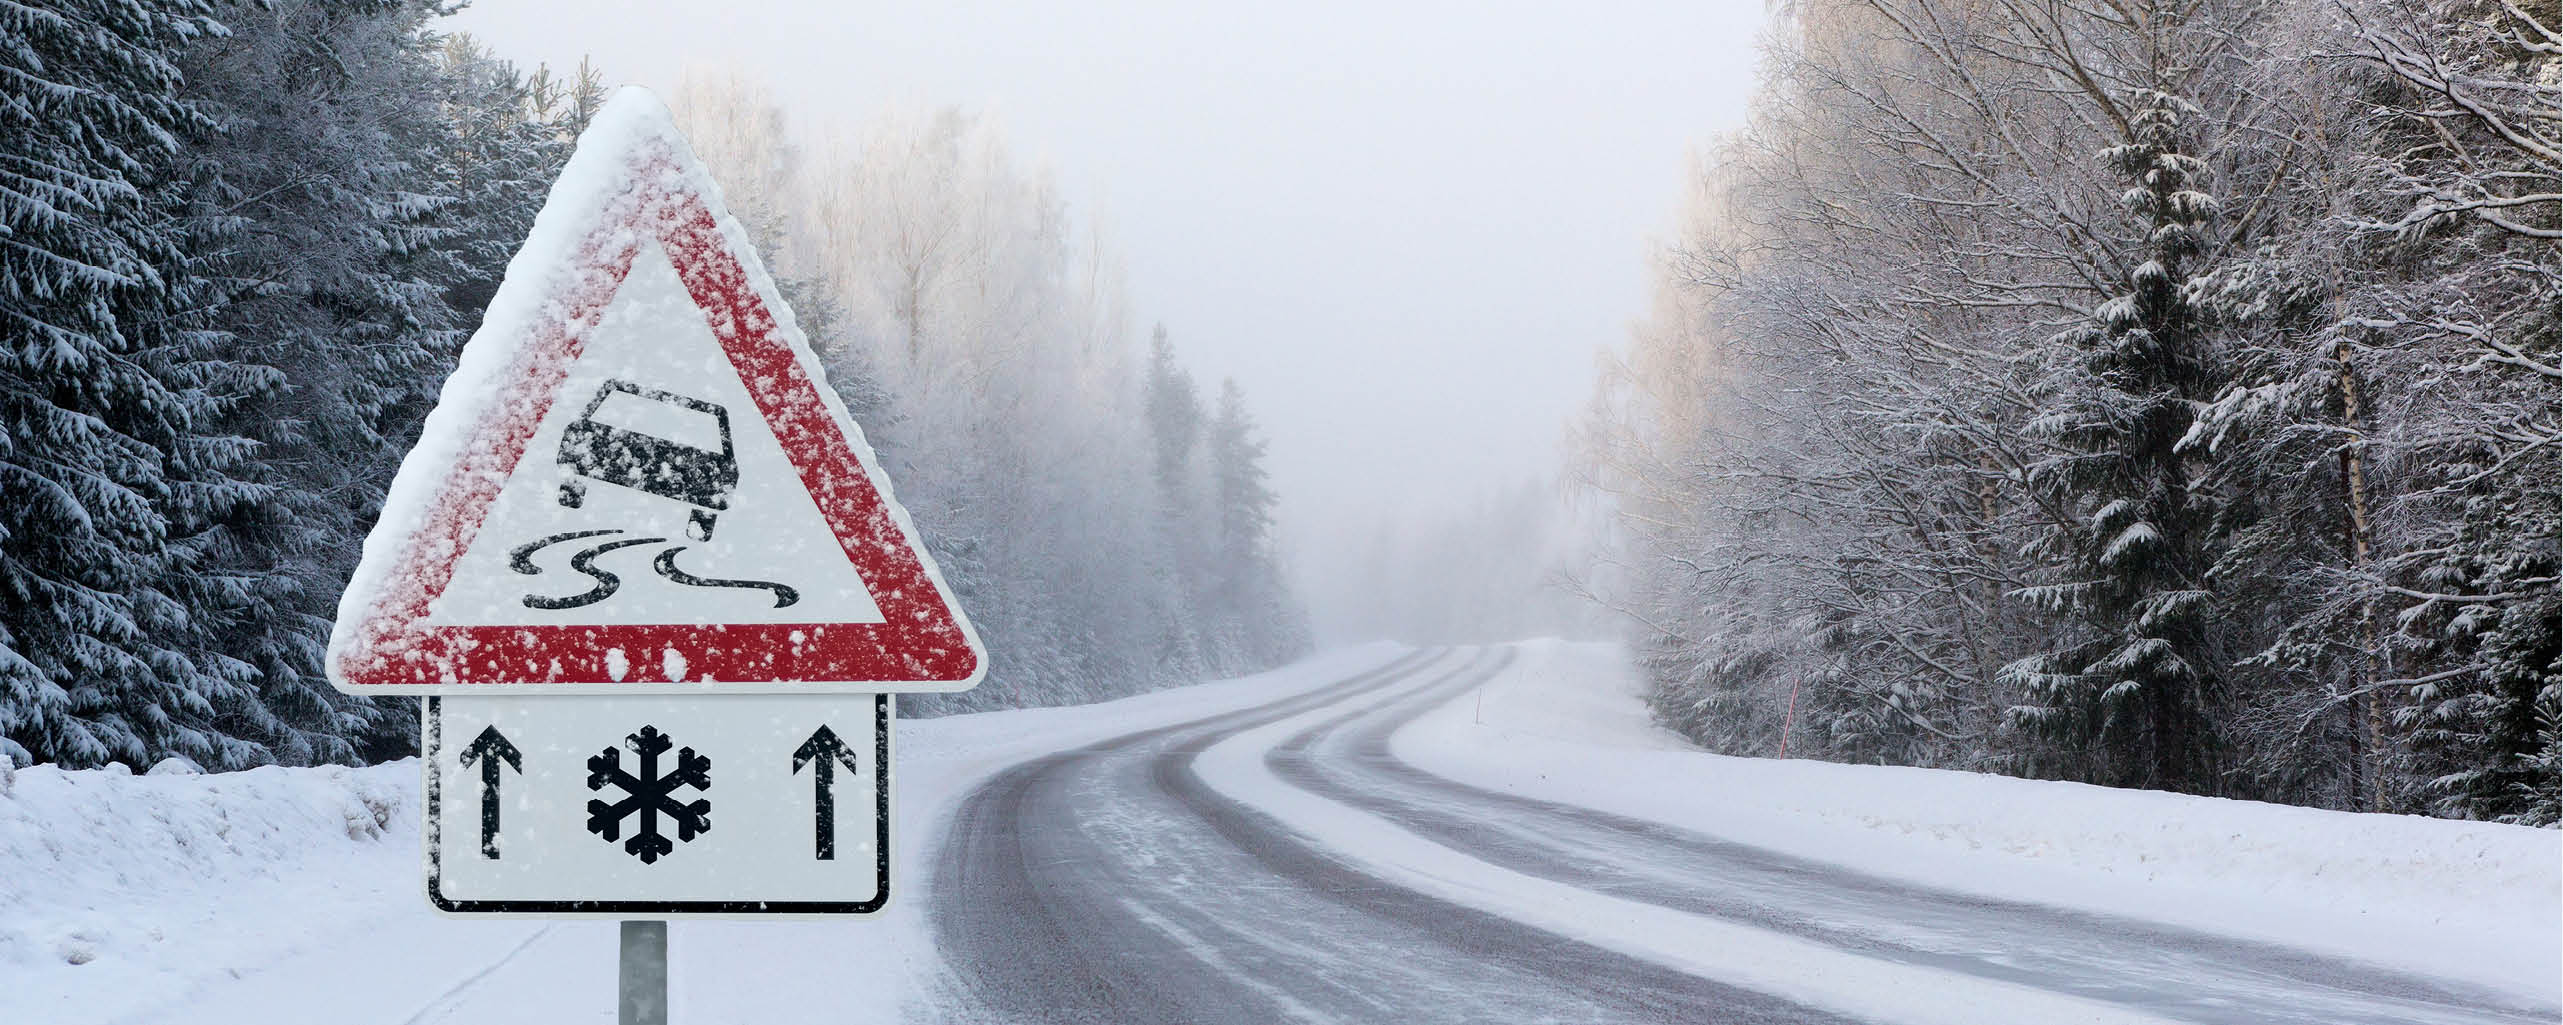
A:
<point x="244" y="241"/>
<point x="2153" y="394"/>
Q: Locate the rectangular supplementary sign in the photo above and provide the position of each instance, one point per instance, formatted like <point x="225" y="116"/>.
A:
<point x="733" y="805"/>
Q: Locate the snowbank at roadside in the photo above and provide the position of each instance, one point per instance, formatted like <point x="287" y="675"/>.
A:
<point x="2464" y="900"/>
<point x="125" y="879"/>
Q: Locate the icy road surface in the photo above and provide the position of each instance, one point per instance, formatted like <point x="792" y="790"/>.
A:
<point x="1283" y="864"/>
<point x="1374" y="835"/>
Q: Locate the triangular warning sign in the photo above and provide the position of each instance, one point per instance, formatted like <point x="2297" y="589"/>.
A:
<point x="638" y="479"/>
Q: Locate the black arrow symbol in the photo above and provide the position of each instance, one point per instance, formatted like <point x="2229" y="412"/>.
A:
<point x="825" y="748"/>
<point x="490" y="749"/>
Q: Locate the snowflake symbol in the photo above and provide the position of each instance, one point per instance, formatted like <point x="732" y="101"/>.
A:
<point x="649" y="795"/>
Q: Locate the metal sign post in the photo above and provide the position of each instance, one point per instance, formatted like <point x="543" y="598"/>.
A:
<point x="641" y="990"/>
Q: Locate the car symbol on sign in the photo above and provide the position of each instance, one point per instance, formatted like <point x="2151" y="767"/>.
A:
<point x="697" y="476"/>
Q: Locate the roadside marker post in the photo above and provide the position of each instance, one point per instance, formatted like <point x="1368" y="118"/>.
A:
<point x="651" y="582"/>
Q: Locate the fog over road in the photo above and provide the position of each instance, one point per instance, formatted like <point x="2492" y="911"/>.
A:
<point x="1118" y="882"/>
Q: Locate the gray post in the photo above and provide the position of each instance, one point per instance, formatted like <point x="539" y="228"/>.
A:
<point x="643" y="981"/>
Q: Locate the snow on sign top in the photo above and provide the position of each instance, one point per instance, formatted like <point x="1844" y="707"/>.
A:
<point x="638" y="480"/>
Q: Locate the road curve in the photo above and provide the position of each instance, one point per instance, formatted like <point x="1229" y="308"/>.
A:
<point x="1113" y="884"/>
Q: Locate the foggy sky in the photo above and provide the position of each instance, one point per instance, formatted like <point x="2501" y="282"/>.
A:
<point x="1406" y="234"/>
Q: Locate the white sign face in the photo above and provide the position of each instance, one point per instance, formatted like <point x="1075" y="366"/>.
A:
<point x="732" y="805"/>
<point x="653" y="492"/>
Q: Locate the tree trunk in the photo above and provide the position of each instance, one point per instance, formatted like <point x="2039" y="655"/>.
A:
<point x="2369" y="704"/>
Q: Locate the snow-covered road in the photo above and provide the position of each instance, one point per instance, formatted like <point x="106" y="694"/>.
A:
<point x="1376" y="835"/>
<point x="1113" y="883"/>
<point x="1285" y="864"/>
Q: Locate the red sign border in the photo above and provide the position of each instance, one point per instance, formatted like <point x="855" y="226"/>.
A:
<point x="922" y="638"/>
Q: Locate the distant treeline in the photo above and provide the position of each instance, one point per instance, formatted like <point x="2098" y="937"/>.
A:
<point x="240" y="247"/>
<point x="1107" y="525"/>
<point x="2144" y="393"/>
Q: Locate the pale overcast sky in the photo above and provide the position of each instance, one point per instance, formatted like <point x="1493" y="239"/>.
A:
<point x="1404" y="229"/>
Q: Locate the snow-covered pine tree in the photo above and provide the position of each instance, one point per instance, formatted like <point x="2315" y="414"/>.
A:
<point x="500" y="151"/>
<point x="103" y="391"/>
<point x="466" y="192"/>
<point x="1172" y="404"/>
<point x="586" y="95"/>
<point x="313" y="248"/>
<point x="2288" y="446"/>
<point x="2127" y="693"/>
<point x="1251" y="602"/>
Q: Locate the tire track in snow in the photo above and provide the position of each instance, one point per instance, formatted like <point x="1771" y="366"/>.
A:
<point x="445" y="1003"/>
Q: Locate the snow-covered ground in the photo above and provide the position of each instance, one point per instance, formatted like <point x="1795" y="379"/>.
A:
<point x="118" y="889"/>
<point x="284" y="896"/>
<point x="2472" y="901"/>
<point x="290" y="896"/>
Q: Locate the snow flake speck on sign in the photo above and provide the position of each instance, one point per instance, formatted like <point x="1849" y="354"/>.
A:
<point x="638" y="479"/>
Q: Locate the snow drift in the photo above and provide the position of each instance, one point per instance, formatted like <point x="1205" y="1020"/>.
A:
<point x="2474" y="901"/>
